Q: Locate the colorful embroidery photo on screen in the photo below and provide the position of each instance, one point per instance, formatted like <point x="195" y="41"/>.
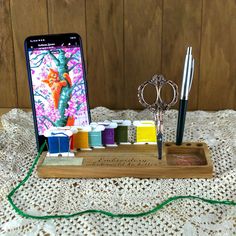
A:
<point x="58" y="87"/>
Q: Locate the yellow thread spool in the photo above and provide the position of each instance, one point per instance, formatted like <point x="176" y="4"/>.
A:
<point x="80" y="139"/>
<point x="145" y="131"/>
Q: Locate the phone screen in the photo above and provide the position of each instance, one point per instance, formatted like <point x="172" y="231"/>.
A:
<point x="59" y="89"/>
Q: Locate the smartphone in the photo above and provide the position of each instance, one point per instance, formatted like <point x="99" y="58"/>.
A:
<point x="57" y="82"/>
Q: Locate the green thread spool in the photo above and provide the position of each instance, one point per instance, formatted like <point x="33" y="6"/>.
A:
<point x="121" y="134"/>
<point x="122" y="131"/>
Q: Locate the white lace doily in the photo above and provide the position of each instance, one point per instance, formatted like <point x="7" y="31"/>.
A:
<point x="120" y="195"/>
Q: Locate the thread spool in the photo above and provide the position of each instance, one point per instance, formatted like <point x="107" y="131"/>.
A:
<point x="58" y="142"/>
<point x="95" y="135"/>
<point x="122" y="131"/>
<point x="108" y="135"/>
<point x="80" y="139"/>
<point x="145" y="132"/>
<point x="73" y="129"/>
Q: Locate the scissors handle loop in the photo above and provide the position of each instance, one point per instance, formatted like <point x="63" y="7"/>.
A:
<point x="158" y="81"/>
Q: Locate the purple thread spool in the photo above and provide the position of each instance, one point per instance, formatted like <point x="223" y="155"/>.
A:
<point x="108" y="135"/>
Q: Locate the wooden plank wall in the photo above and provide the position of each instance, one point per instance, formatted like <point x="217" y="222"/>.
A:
<point x="125" y="43"/>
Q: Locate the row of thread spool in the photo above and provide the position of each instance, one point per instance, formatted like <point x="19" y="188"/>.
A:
<point x="100" y="135"/>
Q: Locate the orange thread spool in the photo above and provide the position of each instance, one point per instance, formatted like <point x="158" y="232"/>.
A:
<point x="80" y="140"/>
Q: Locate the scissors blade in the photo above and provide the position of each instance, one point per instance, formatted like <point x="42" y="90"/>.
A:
<point x="159" y="145"/>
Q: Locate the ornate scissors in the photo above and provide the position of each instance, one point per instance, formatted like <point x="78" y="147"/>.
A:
<point x="159" y="107"/>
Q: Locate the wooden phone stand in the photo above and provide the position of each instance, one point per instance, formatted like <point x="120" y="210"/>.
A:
<point x="190" y="160"/>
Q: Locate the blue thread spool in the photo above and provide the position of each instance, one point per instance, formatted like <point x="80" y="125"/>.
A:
<point x="58" y="140"/>
<point x="108" y="135"/>
<point x="95" y="135"/>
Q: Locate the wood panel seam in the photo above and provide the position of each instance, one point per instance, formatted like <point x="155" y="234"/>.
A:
<point x="86" y="35"/>
<point x="123" y="64"/>
<point x="154" y="34"/>
<point x="47" y="14"/>
<point x="14" y="59"/>
<point x="162" y="18"/>
<point x="200" y="56"/>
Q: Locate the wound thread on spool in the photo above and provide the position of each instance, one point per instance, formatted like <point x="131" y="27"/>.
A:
<point x="145" y="132"/>
<point x="95" y="135"/>
<point x="108" y="135"/>
<point x="80" y="139"/>
<point x="122" y="131"/>
<point x="58" y="141"/>
<point x="58" y="144"/>
<point x="95" y="139"/>
<point x="63" y="129"/>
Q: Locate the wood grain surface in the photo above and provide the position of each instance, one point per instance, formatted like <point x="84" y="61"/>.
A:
<point x="105" y="52"/>
<point x="181" y="28"/>
<point x="217" y="88"/>
<point x="125" y="43"/>
<point x="142" y="49"/>
<point x="28" y="18"/>
<point x="138" y="161"/>
<point x="66" y="16"/>
<point x="8" y="94"/>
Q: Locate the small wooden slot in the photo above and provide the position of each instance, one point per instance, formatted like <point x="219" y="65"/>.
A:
<point x="185" y="156"/>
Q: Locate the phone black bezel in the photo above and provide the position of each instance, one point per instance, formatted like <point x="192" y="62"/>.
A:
<point x="40" y="139"/>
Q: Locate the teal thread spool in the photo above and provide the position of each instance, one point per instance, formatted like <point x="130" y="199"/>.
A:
<point x="95" y="135"/>
<point x="95" y="138"/>
<point x="122" y="131"/>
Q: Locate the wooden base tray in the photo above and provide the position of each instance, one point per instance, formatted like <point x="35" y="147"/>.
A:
<point x="190" y="160"/>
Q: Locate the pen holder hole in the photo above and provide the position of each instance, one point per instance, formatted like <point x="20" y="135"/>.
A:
<point x="199" y="144"/>
<point x="167" y="144"/>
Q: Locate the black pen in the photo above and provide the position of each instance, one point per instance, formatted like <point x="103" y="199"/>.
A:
<point x="186" y="86"/>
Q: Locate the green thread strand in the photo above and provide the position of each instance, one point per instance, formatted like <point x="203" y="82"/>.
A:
<point x="110" y="214"/>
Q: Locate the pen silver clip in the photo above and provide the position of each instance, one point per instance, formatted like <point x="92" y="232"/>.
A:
<point x="192" y="73"/>
<point x="185" y="71"/>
